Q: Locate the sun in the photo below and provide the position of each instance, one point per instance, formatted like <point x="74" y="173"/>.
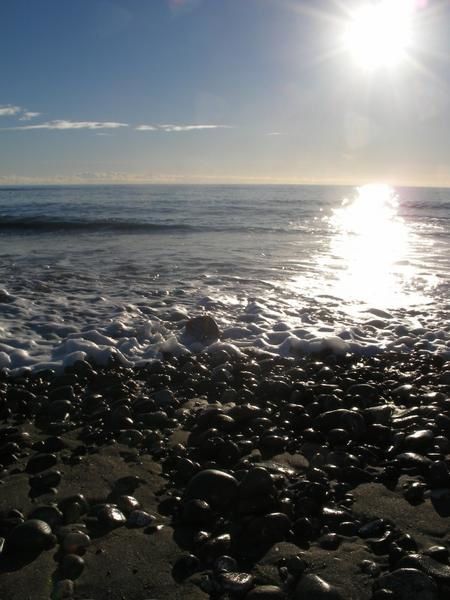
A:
<point x="379" y="34"/>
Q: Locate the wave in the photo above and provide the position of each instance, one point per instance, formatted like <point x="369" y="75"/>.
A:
<point x="48" y="225"/>
<point x="54" y="225"/>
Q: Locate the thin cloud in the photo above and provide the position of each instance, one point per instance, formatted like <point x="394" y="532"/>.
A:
<point x="146" y="128"/>
<point x="28" y="115"/>
<point x="9" y="110"/>
<point x="274" y="133"/>
<point x="170" y="128"/>
<point x="61" y="125"/>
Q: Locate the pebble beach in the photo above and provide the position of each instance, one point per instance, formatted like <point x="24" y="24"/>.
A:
<point x="221" y="407"/>
<point x="214" y="477"/>
<point x="225" y="300"/>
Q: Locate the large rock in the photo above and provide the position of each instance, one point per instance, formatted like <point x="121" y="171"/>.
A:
<point x="31" y="536"/>
<point x="202" y="329"/>
<point x="216" y="487"/>
<point x="408" y="583"/>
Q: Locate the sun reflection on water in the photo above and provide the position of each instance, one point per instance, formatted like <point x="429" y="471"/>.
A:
<point x="370" y="249"/>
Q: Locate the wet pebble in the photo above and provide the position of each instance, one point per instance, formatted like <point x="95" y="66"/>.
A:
<point x="266" y="592"/>
<point x="329" y="541"/>
<point x="427" y="565"/>
<point x="225" y="564"/>
<point x="110" y="516"/>
<point x="44" y="481"/>
<point x="50" y="514"/>
<point x="419" y="441"/>
<point x="313" y="587"/>
<point x="439" y="553"/>
<point x="63" y="589"/>
<point x="407" y="583"/>
<point x="236" y="583"/>
<point x="73" y="507"/>
<point x="41" y="462"/>
<point x="127" y="504"/>
<point x="72" y="566"/>
<point x="197" y="512"/>
<point x="185" y="566"/>
<point x="140" y="518"/>
<point x="216" y="487"/>
<point x="75" y="542"/>
<point x="31" y="536"/>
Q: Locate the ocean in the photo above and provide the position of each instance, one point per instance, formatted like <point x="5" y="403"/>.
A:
<point x="95" y="271"/>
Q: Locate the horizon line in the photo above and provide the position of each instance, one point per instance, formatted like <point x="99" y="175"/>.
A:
<point x="219" y="183"/>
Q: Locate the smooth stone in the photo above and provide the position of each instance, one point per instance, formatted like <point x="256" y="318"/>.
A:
<point x="341" y="418"/>
<point x="236" y="583"/>
<point x="63" y="589"/>
<point x="127" y="503"/>
<point x="216" y="487"/>
<point x="439" y="475"/>
<point x="303" y="529"/>
<point x="197" y="512"/>
<point x="32" y="535"/>
<point x="329" y="541"/>
<point x="407" y="583"/>
<point x="73" y="507"/>
<point x="431" y="567"/>
<point x="127" y="484"/>
<point x="378" y="415"/>
<point x="41" y="462"/>
<point x="163" y="398"/>
<point x="370" y="568"/>
<point x="130" y="437"/>
<point x="45" y="480"/>
<point x="202" y="328"/>
<point x="439" y="553"/>
<point x="414" y="493"/>
<point x="75" y="541"/>
<point x="225" y="564"/>
<point x="140" y="518"/>
<point x="111" y="516"/>
<point x="295" y="565"/>
<point x="412" y="460"/>
<point x="313" y="587"/>
<point x="263" y="532"/>
<point x="419" y="441"/>
<point x="444" y="378"/>
<point x="72" y="566"/>
<point x="185" y="566"/>
<point x="256" y="481"/>
<point x="215" y="547"/>
<point x="50" y="514"/>
<point x="266" y="592"/>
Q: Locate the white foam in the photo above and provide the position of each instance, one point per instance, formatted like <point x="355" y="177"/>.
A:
<point x="47" y="330"/>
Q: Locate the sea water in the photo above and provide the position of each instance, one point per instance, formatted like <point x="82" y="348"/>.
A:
<point x="94" y="271"/>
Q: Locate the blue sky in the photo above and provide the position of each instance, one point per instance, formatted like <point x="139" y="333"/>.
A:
<point x="216" y="91"/>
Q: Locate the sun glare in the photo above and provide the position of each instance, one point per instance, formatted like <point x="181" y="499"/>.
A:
<point x="372" y="243"/>
<point x="379" y="34"/>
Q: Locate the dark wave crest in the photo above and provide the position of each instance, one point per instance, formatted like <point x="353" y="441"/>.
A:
<point x="60" y="225"/>
<point x="52" y="225"/>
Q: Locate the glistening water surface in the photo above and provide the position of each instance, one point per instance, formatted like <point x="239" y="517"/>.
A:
<point x="94" y="270"/>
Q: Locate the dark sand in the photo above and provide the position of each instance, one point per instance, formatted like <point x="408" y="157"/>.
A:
<point x="311" y="476"/>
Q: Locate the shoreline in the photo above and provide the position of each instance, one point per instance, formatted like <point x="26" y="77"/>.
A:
<point x="228" y="477"/>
